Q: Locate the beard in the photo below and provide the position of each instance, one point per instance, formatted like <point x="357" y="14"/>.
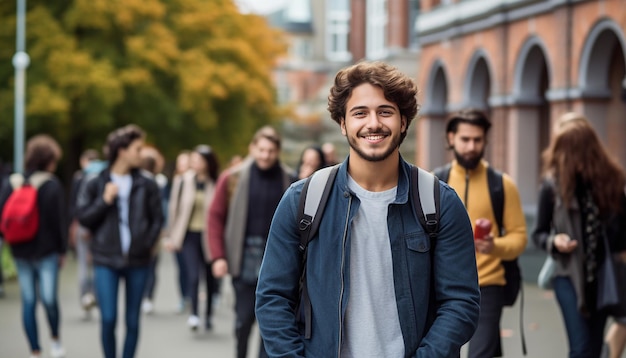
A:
<point x="469" y="162"/>
<point x="395" y="143"/>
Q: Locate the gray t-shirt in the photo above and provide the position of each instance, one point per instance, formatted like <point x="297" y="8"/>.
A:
<point x="124" y="184"/>
<point x="371" y="325"/>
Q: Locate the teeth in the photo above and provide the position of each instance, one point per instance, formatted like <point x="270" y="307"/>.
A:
<point x="375" y="137"/>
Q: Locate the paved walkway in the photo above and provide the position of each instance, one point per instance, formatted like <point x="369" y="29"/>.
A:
<point x="165" y="334"/>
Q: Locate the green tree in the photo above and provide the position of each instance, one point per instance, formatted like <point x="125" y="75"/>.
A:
<point x="187" y="71"/>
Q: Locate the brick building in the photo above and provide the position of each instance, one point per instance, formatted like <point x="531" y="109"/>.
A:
<point x="525" y="62"/>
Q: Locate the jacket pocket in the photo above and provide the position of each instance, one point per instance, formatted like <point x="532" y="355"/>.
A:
<point x="417" y="241"/>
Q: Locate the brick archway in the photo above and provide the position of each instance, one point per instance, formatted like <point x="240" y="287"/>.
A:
<point x="431" y="131"/>
<point x="477" y="84"/>
<point x="602" y="84"/>
<point x="529" y="118"/>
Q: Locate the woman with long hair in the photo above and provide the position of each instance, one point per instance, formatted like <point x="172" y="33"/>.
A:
<point x="188" y="228"/>
<point x="580" y="200"/>
<point x="181" y="166"/>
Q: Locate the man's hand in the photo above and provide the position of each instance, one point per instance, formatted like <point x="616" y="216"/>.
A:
<point x="169" y="245"/>
<point x="484" y="245"/>
<point x="564" y="244"/>
<point x="110" y="193"/>
<point x="220" y="268"/>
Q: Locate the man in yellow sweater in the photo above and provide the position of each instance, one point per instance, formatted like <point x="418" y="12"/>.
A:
<point x="468" y="174"/>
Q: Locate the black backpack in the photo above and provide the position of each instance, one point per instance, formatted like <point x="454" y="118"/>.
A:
<point x="312" y="203"/>
<point x="512" y="272"/>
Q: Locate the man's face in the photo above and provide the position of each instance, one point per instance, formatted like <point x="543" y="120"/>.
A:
<point x="265" y="153"/>
<point x="132" y="154"/>
<point x="469" y="144"/>
<point x="372" y="124"/>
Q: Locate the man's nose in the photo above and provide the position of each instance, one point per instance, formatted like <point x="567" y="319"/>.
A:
<point x="373" y="120"/>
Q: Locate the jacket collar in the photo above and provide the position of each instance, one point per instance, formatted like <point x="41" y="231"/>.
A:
<point x="402" y="194"/>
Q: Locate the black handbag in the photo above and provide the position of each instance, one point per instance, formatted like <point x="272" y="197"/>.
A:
<point x="612" y="283"/>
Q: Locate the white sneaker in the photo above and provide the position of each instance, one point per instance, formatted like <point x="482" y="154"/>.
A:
<point x="147" y="307"/>
<point x="193" y="322"/>
<point x="57" y="350"/>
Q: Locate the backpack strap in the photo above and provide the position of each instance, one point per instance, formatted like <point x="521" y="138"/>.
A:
<point x="36" y="179"/>
<point x="16" y="180"/>
<point x="313" y="198"/>
<point x="426" y="200"/>
<point x="496" y="192"/>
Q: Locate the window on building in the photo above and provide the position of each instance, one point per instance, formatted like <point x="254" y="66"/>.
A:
<point x="301" y="49"/>
<point x="337" y="30"/>
<point x="376" y="30"/>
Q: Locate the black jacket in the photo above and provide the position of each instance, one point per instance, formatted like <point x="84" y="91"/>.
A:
<point x="146" y="219"/>
<point x="52" y="234"/>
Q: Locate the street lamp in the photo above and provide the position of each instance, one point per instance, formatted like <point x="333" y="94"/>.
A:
<point x="20" y="62"/>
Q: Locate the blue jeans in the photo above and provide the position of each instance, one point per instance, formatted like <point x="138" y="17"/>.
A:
<point x="107" y="284"/>
<point x="584" y="333"/>
<point x="182" y="275"/>
<point x="45" y="272"/>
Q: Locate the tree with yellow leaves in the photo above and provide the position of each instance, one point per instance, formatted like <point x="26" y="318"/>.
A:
<point x="187" y="71"/>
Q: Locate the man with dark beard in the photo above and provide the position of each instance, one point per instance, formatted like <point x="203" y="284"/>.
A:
<point x="468" y="174"/>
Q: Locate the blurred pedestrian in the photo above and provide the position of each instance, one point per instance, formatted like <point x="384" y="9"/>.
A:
<point x="239" y="222"/>
<point x="152" y="162"/>
<point x="181" y="166"/>
<point x="122" y="209"/>
<point x="330" y="153"/>
<point x="188" y="233"/>
<point x="39" y="259"/>
<point x="581" y="198"/>
<point x="311" y="159"/>
<point x="475" y="180"/>
<point x="91" y="165"/>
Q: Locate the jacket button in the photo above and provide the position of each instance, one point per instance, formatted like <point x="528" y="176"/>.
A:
<point x="422" y="247"/>
<point x="346" y="194"/>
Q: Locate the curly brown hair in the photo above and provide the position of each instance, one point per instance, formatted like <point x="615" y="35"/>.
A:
<point x="397" y="88"/>
<point x="575" y="150"/>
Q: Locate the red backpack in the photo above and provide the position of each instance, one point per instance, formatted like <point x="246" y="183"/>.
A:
<point x="20" y="215"/>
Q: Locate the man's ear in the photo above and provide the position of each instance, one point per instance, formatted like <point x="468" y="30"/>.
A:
<point x="403" y="126"/>
<point x="342" y="124"/>
<point x="450" y="137"/>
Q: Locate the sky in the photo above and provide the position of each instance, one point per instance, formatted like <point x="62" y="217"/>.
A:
<point x="260" y="6"/>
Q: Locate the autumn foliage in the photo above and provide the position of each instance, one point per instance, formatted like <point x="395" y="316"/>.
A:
<point x="187" y="71"/>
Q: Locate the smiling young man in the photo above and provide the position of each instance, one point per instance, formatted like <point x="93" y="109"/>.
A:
<point x="377" y="286"/>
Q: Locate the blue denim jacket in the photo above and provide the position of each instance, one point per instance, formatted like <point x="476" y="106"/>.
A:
<point x="436" y="292"/>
